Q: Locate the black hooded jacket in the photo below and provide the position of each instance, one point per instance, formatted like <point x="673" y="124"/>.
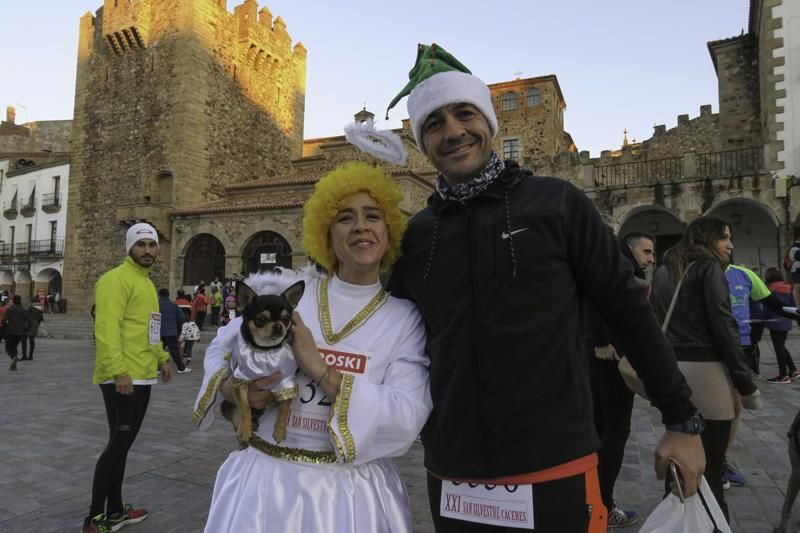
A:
<point x="499" y="281"/>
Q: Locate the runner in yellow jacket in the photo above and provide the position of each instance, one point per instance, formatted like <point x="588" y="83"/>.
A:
<point x="128" y="357"/>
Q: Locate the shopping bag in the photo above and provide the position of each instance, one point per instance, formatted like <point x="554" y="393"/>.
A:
<point x="698" y="514"/>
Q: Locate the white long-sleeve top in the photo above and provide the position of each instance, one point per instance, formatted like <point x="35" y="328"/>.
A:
<point x="384" y="397"/>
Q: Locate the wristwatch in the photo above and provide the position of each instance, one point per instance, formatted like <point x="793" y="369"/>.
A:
<point x="694" y="425"/>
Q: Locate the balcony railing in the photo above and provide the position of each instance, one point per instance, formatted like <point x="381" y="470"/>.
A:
<point x="44" y="247"/>
<point x="29" y="209"/>
<point x="729" y="163"/>
<point x="6" y="249"/>
<point x="51" y="202"/>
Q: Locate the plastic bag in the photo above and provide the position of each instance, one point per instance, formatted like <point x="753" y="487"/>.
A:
<point x="691" y="516"/>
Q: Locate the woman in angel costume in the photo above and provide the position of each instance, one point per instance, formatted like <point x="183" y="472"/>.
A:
<point x="363" y="380"/>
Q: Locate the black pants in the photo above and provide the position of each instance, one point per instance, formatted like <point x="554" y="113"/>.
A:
<point x="785" y="363"/>
<point x="187" y="348"/>
<point x="125" y="415"/>
<point x="28" y="340"/>
<point x="201" y="317"/>
<point x="558" y="507"/>
<point x="171" y="345"/>
<point x="215" y="315"/>
<point x="752" y="356"/>
<point x="12" y="341"/>
<point x="613" y="405"/>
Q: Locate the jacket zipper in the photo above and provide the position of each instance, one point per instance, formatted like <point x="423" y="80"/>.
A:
<point x="477" y="367"/>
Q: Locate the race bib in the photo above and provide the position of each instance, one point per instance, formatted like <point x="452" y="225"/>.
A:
<point x="155" y="328"/>
<point x="497" y="505"/>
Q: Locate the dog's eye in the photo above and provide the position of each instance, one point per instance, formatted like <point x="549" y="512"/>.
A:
<point x="260" y="321"/>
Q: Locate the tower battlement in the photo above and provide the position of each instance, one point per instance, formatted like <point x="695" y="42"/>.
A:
<point x="126" y="24"/>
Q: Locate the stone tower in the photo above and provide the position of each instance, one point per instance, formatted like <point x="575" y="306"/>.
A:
<point x="174" y="100"/>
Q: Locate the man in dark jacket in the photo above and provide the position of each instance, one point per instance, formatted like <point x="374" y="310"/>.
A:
<point x="499" y="264"/>
<point x="15" y="322"/>
<point x="611" y="398"/>
<point x="171" y="323"/>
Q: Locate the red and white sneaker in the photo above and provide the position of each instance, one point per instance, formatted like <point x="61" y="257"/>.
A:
<point x="128" y="516"/>
<point x="780" y="379"/>
<point x="795" y="375"/>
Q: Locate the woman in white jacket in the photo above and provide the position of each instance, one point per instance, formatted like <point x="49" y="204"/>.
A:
<point x="363" y="380"/>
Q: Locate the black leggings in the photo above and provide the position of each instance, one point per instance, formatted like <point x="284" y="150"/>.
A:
<point x="785" y="363"/>
<point x="28" y="340"/>
<point x="125" y="415"/>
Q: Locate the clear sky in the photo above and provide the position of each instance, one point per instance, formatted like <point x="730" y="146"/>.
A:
<point x="621" y="64"/>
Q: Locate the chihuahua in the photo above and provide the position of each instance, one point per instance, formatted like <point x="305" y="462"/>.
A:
<point x="263" y="348"/>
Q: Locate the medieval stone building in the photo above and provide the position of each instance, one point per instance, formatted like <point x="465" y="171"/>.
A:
<point x="191" y="118"/>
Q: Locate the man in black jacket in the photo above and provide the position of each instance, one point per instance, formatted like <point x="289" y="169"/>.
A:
<point x="15" y="322"/>
<point x="611" y="398"/>
<point x="499" y="263"/>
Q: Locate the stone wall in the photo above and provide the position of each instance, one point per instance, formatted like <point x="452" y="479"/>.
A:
<point x="768" y="43"/>
<point x="736" y="62"/>
<point x="168" y="115"/>
<point x="36" y="136"/>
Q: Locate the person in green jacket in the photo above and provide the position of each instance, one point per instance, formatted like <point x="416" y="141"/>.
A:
<point x="128" y="357"/>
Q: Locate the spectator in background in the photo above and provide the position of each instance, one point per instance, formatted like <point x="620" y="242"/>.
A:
<point x="792" y="264"/>
<point x="779" y="327"/>
<point x="3" y="308"/>
<point x="36" y="316"/>
<point x="190" y="334"/>
<point x="199" y="307"/>
<point x="171" y="322"/>
<point x="215" y="302"/>
<point x="16" y="322"/>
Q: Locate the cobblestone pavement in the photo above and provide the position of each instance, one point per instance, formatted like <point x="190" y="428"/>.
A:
<point x="53" y="427"/>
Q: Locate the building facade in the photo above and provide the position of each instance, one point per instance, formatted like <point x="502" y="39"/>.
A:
<point x="33" y="219"/>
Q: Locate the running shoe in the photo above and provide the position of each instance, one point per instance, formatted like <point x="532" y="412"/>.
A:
<point x="185" y="370"/>
<point x="794" y="375"/>
<point x="128" y="516"/>
<point x="731" y="477"/>
<point x="780" y="379"/>
<point x="619" y="518"/>
<point x="96" y="524"/>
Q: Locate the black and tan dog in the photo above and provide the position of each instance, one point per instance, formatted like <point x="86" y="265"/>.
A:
<point x="266" y="323"/>
<point x="793" y="486"/>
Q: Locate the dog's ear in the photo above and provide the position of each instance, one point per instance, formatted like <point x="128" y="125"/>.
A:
<point x="244" y="295"/>
<point x="294" y="293"/>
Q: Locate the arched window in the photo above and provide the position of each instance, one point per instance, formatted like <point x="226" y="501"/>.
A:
<point x="509" y="102"/>
<point x="204" y="260"/>
<point x="533" y="98"/>
<point x="264" y="251"/>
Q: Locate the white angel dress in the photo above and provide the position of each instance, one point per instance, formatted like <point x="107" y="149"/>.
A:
<point x="333" y="473"/>
<point x="252" y="363"/>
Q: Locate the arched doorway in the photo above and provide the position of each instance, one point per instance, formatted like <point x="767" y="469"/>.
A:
<point x="266" y="250"/>
<point x="23" y="285"/>
<point x="755" y="233"/>
<point x="204" y="260"/>
<point x="663" y="224"/>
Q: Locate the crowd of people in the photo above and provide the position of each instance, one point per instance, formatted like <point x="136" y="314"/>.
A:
<point x="493" y="325"/>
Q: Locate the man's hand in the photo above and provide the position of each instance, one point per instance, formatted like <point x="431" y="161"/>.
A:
<point x="124" y="384"/>
<point x="166" y="372"/>
<point x="686" y="451"/>
<point x="606" y="353"/>
<point x="305" y="349"/>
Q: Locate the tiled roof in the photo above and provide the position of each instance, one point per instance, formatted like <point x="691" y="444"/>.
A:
<point x="277" y="200"/>
<point x="288" y="179"/>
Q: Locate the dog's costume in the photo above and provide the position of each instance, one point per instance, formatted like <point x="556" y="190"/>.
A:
<point x="333" y="472"/>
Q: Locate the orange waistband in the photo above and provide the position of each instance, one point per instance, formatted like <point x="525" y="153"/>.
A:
<point x="577" y="466"/>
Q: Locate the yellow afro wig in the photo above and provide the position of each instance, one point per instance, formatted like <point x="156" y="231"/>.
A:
<point x="343" y="181"/>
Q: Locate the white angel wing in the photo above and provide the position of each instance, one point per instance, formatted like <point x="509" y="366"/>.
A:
<point x="383" y="144"/>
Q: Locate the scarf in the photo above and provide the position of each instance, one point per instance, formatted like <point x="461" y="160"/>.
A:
<point x="461" y="192"/>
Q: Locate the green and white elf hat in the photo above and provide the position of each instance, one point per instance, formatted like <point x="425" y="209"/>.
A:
<point x="439" y="79"/>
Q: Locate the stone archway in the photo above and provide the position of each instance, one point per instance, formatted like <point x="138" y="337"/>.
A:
<point x="754" y="227"/>
<point x="203" y="260"/>
<point x="658" y="221"/>
<point x="23" y="285"/>
<point x="265" y="250"/>
<point x="6" y="280"/>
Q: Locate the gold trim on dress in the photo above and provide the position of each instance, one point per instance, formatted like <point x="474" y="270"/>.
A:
<point x="341" y="406"/>
<point x="357" y="321"/>
<point x="206" y="400"/>
<point x="285" y="394"/>
<point x="291" y="454"/>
